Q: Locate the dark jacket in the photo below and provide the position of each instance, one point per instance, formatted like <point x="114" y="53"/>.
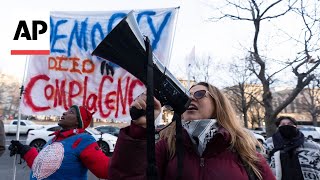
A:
<point x="218" y="162"/>
<point x="2" y="138"/>
<point x="308" y="155"/>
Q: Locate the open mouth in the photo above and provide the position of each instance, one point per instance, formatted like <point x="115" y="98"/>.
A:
<point x="192" y="107"/>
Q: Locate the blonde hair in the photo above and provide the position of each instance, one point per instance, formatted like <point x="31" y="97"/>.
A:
<point x="241" y="141"/>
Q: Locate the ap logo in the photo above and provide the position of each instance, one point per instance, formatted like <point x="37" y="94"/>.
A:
<point x="23" y="30"/>
<point x="30" y="32"/>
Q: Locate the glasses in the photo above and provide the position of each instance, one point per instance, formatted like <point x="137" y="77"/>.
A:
<point x="200" y="94"/>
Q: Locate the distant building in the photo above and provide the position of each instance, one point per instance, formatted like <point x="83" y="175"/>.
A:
<point x="9" y="96"/>
<point x="306" y="101"/>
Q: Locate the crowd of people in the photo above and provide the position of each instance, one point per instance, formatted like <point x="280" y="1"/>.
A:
<point x="215" y="146"/>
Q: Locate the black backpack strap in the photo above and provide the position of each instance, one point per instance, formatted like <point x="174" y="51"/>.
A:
<point x="179" y="144"/>
<point x="249" y="170"/>
<point x="152" y="173"/>
<point x="251" y="174"/>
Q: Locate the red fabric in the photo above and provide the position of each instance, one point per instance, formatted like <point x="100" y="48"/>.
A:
<point x="137" y="132"/>
<point x="60" y="135"/>
<point x="129" y="161"/>
<point x="84" y="115"/>
<point x="92" y="156"/>
<point x="98" y="163"/>
<point x="218" y="162"/>
<point x="76" y="143"/>
<point x="30" y="156"/>
<point x="265" y="168"/>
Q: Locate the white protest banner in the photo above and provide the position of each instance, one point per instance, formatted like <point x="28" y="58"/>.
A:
<point x="70" y="75"/>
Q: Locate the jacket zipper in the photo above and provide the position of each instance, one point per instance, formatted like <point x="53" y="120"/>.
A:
<point x="202" y="168"/>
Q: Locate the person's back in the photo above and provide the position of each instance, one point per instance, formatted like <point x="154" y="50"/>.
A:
<point x="2" y="138"/>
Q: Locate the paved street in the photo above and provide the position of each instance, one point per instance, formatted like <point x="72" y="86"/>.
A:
<point x="23" y="171"/>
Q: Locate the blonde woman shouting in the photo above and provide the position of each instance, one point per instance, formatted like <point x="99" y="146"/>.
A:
<point x="215" y="144"/>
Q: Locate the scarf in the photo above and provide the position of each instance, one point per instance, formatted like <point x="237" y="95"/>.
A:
<point x="290" y="165"/>
<point x="281" y="143"/>
<point x="200" y="132"/>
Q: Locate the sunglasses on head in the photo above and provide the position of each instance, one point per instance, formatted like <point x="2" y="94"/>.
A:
<point x="200" y="94"/>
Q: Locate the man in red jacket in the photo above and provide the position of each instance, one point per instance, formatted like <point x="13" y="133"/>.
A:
<point x="69" y="154"/>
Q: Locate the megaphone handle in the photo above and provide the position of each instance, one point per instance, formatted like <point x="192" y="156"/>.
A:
<point x="135" y="113"/>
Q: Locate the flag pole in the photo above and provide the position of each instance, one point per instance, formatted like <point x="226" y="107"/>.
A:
<point x="188" y="69"/>
<point x="19" y="115"/>
<point x="173" y="35"/>
<point x="191" y="59"/>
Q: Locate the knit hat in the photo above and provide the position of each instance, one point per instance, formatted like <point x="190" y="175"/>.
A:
<point x="84" y="117"/>
<point x="278" y="121"/>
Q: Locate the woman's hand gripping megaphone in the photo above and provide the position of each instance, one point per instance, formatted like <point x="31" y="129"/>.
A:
<point x="138" y="110"/>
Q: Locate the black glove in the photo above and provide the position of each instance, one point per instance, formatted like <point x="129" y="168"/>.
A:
<point x="17" y="148"/>
<point x="135" y="113"/>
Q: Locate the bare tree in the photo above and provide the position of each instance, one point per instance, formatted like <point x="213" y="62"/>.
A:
<point x="9" y="95"/>
<point x="256" y="112"/>
<point x="2" y="89"/>
<point x="260" y="11"/>
<point x="311" y="100"/>
<point x="199" y="69"/>
<point x="244" y="92"/>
